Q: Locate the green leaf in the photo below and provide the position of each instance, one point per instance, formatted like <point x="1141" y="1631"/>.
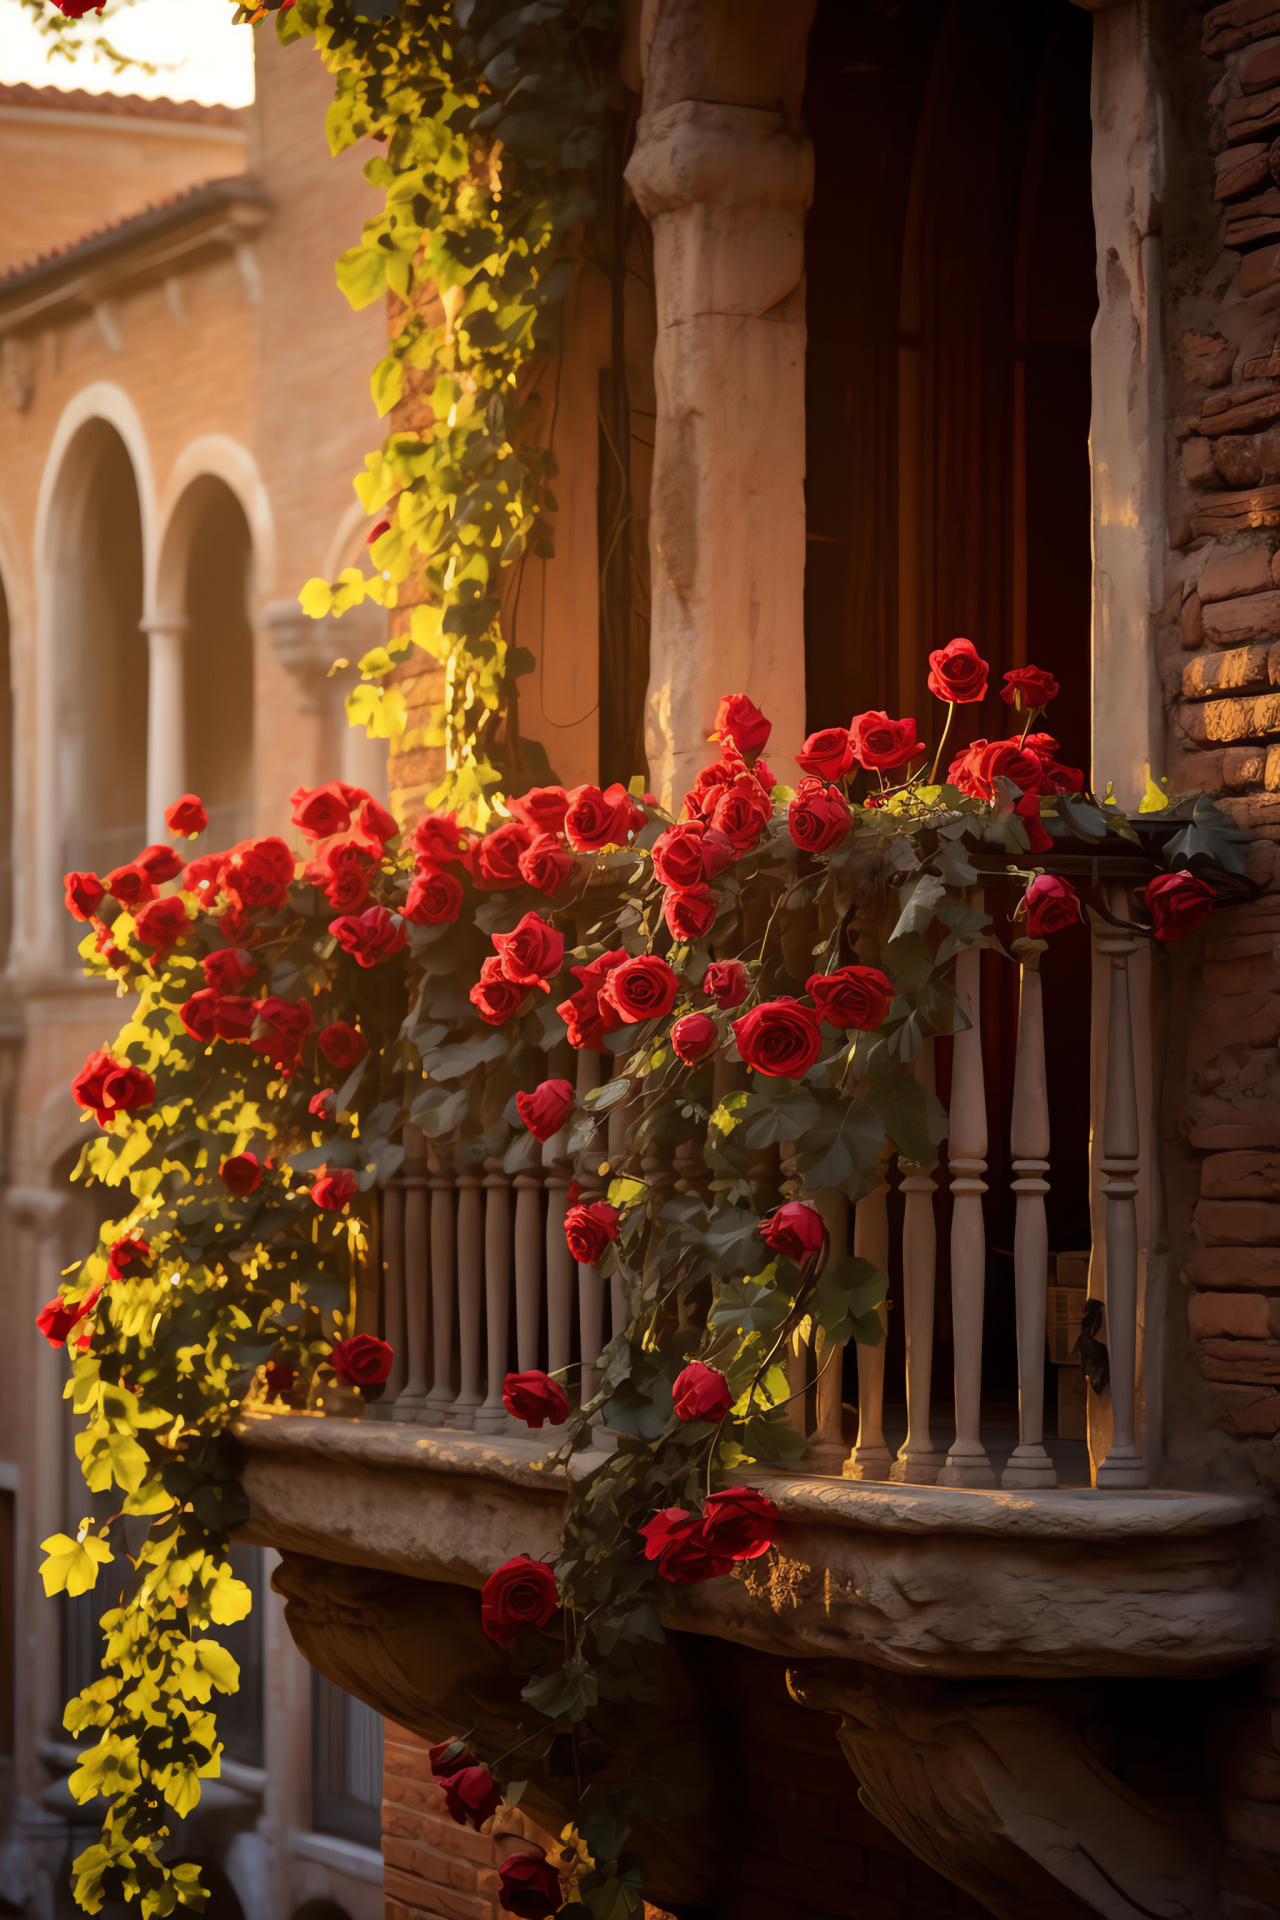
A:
<point x="362" y="275"/>
<point x="568" y="1694"/>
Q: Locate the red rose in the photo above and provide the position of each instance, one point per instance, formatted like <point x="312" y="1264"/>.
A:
<point x="495" y="860"/>
<point x="228" y="968"/>
<point x="280" y="1028"/>
<point x="958" y="673"/>
<point x="434" y="898"/>
<point x="450" y="1756"/>
<point x="588" y="1231"/>
<point x="545" y="1110"/>
<point x="128" y="1259"/>
<point x="258" y="873"/>
<point x="689" y="911"/>
<point x="203" y="877"/>
<point x="438" y="840"/>
<point x="727" y="983"/>
<point x="130" y="885"/>
<point x="694" y="1036"/>
<point x="827" y="755"/>
<point x="674" y="1539"/>
<point x="362" y="1360"/>
<point x="530" y="1887"/>
<point x="370" y="936"/>
<point x="1028" y="687"/>
<point x="241" y="1173"/>
<point x="187" y="816"/>
<point x="1052" y="904"/>
<point x="321" y="811"/>
<point x="373" y="820"/>
<point x="678" y="854"/>
<point x="160" y="863"/>
<point x="233" y="1016"/>
<point x="522" y="1593"/>
<point x="586" y="1019"/>
<point x="780" y="1038"/>
<point x="976" y="770"/>
<point x="643" y="988"/>
<point x="235" y="926"/>
<point x="742" y="812"/>
<point x="58" y="1316"/>
<point x="83" y="893"/>
<point x="880" y="743"/>
<point x="470" y="1795"/>
<point x="196" y="1014"/>
<point x="542" y="809"/>
<point x="796" y="1230"/>
<point x="1177" y="903"/>
<point x="534" y="1398"/>
<point x="342" y="865"/>
<point x="818" y="817"/>
<point x="341" y="1045"/>
<point x="323" y="1105"/>
<point x="545" y="864"/>
<point x="700" y="1393"/>
<point x="851" y="997"/>
<point x="596" y="819"/>
<point x="278" y="1378"/>
<point x="741" y="721"/>
<point x="334" y="1191"/>
<point x="494" y="997"/>
<point x="112" y="1086"/>
<point x="740" y="1522"/>
<point x="531" y="955"/>
<point x="347" y="887"/>
<point x="161" y="924"/>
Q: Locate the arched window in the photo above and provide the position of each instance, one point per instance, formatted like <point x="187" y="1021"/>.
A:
<point x="218" y="657"/>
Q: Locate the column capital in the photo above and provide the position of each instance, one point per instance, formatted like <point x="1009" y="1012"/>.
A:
<point x="175" y="623"/>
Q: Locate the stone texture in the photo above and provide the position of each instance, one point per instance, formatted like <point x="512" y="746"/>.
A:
<point x="1235" y="1099"/>
<point x="1260" y="70"/>
<point x="1237" y="1223"/>
<point x="1242" y="620"/>
<point x="1240" y="670"/>
<point x="1239" y="412"/>
<point x="1235" y="1267"/>
<point x="1241" y="1176"/>
<point x="1192" y="621"/>
<point x="1259" y="270"/>
<point x="1207" y="358"/>
<point x="1216" y="722"/>
<point x="1244" y="766"/>
<point x="1241" y="169"/>
<point x="1226" y="575"/>
<point x="1233" y="512"/>
<point x="1198" y="463"/>
<point x="1243" y="1316"/>
<point x="1253" y="115"/>
<point x="1246" y="1410"/>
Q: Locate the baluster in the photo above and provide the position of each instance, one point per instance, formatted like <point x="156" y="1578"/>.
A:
<point x="528" y="1263"/>
<point x="560" y="1262"/>
<point x="492" y="1416"/>
<point x="392" y="1252"/>
<point x="444" y="1283"/>
<point x="826" y="1450"/>
<point x="470" y="1294"/>
<point x="1124" y="1465"/>
<point x="919" y="1461"/>
<point x="412" y="1398"/>
<point x="1029" y="1464"/>
<point x="870" y="1459"/>
<point x="590" y="1285"/>
<point x="619" y="1126"/>
<point x="799" y="1354"/>
<point x="967" y="1464"/>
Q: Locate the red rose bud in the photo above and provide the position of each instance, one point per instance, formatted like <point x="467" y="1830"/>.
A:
<point x="818" y="817"/>
<point x="58" y="1316"/>
<point x="534" y="1398"/>
<point x="595" y="820"/>
<point x="1028" y="687"/>
<point x="586" y="1019"/>
<point x="470" y="1796"/>
<point x="438" y="841"/>
<point x="797" y="1231"/>
<point x="694" y="1036"/>
<point x="827" y="755"/>
<point x="741" y="721"/>
<point x="880" y="743"/>
<point x="531" y="1888"/>
<point x="362" y="1360"/>
<point x="278" y="1378"/>
<point x="373" y="820"/>
<point x="334" y="1191"/>
<point x="279" y="1029"/>
<point x="740" y="1522"/>
<point x="588" y="1231"/>
<point x="203" y="877"/>
<point x="241" y="1174"/>
<point x="643" y="988"/>
<point x="187" y="816"/>
<point x="542" y="809"/>
<point x="545" y="1110"/>
<point x="522" y="1593"/>
<point x="450" y="1756"/>
<point x="1177" y="903"/>
<point x="727" y="983"/>
<point x="341" y="1045"/>
<point x="257" y="875"/>
<point x="1052" y="904"/>
<point x="689" y="912"/>
<point x="700" y="1393"/>
<point x="674" y="1539"/>
<point x="228" y="968"/>
<point x="128" y="1259"/>
<point x="533" y="954"/>
<point x="323" y="811"/>
<point x="434" y="898"/>
<point x="130" y="885"/>
<point x="161" y="924"/>
<point x="235" y="926"/>
<point x="376" y="531"/>
<point x="160" y="863"/>
<point x="958" y="673"/>
<point x="84" y="893"/>
<point x="851" y="997"/>
<point x="495" y="860"/>
<point x="494" y="997"/>
<point x="323" y="1105"/>
<point x="196" y="1015"/>
<point x="370" y="936"/>
<point x="545" y="865"/>
<point x="111" y="1086"/>
<point x="779" y="1038"/>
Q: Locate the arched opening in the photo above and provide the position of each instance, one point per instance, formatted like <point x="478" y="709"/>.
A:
<point x="100" y="698"/>
<point x="217" y="719"/>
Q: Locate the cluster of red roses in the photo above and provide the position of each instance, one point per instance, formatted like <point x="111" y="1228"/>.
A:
<point x="1177" y="902"/>
<point x="531" y="1887"/>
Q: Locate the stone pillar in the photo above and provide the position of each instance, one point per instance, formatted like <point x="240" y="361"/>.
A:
<point x="166" y="716"/>
<point x="723" y="172"/>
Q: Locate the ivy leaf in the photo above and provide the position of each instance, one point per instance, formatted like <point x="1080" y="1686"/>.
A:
<point x="918" y="908"/>
<point x="72" y="1566"/>
<point x="567" y="1694"/>
<point x="749" y="1307"/>
<point x="362" y="275"/>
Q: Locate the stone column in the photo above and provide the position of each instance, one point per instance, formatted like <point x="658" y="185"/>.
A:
<point x="166" y="716"/>
<point x="723" y="172"/>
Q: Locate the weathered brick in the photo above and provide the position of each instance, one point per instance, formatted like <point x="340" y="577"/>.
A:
<point x="443" y="1903"/>
<point x="1240" y="1176"/>
<point x="428" y="1862"/>
<point x="1240" y="976"/>
<point x="1235" y="1267"/>
<point x="1253" y="1823"/>
<point x="1235" y="512"/>
<point x="1251" y="1316"/>
<point x="1240" y="169"/>
<point x="1227" y="575"/>
<point x="1215" y="722"/>
<point x="1237" y="1223"/>
<point x="1238" y="670"/>
<point x="444" y="1836"/>
<point x="1251" y="1411"/>
<point x="1256" y="1361"/>
<point x="1244" y="766"/>
<point x="1243" y="620"/>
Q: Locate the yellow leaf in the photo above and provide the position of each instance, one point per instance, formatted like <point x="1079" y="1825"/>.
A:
<point x="72" y="1566"/>
<point x="316" y="599"/>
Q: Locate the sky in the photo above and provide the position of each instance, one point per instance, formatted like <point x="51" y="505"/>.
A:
<point x="202" y="56"/>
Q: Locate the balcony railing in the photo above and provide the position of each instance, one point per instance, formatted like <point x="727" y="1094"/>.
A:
<point x="476" y="1278"/>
